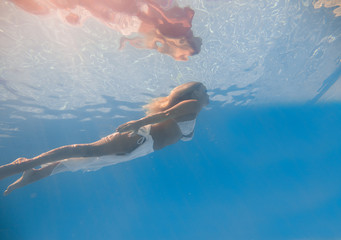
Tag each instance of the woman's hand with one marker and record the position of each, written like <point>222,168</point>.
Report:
<point>131,126</point>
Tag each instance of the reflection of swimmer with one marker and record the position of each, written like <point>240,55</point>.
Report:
<point>328,4</point>
<point>165,27</point>
<point>169,119</point>
<point>167,31</point>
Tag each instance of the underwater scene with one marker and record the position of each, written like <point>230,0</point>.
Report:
<point>164,119</point>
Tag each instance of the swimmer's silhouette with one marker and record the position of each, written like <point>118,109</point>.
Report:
<point>164,27</point>
<point>168,120</point>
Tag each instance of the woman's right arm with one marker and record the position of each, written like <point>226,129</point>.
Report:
<point>181,109</point>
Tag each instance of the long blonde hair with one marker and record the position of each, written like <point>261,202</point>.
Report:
<point>178,94</point>
<point>156,105</point>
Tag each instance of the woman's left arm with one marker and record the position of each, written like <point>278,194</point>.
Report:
<point>183,108</point>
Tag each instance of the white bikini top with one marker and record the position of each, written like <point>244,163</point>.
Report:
<point>187,129</point>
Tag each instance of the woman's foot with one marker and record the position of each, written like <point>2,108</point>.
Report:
<point>26,178</point>
<point>12,168</point>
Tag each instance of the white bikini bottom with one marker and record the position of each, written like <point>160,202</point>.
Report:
<point>87,164</point>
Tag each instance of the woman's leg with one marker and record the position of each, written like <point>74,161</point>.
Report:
<point>30,176</point>
<point>118,143</point>
<point>23,164</point>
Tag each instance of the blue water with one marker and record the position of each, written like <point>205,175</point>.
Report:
<point>249,173</point>
<point>265,159</point>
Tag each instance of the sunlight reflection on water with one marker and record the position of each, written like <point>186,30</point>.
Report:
<point>252,53</point>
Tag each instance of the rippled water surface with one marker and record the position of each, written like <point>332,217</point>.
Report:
<point>252,53</point>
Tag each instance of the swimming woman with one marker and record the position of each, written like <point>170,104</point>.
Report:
<point>168,120</point>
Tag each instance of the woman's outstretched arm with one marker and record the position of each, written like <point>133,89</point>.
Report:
<point>183,108</point>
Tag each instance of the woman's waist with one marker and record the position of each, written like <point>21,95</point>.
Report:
<point>165,133</point>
